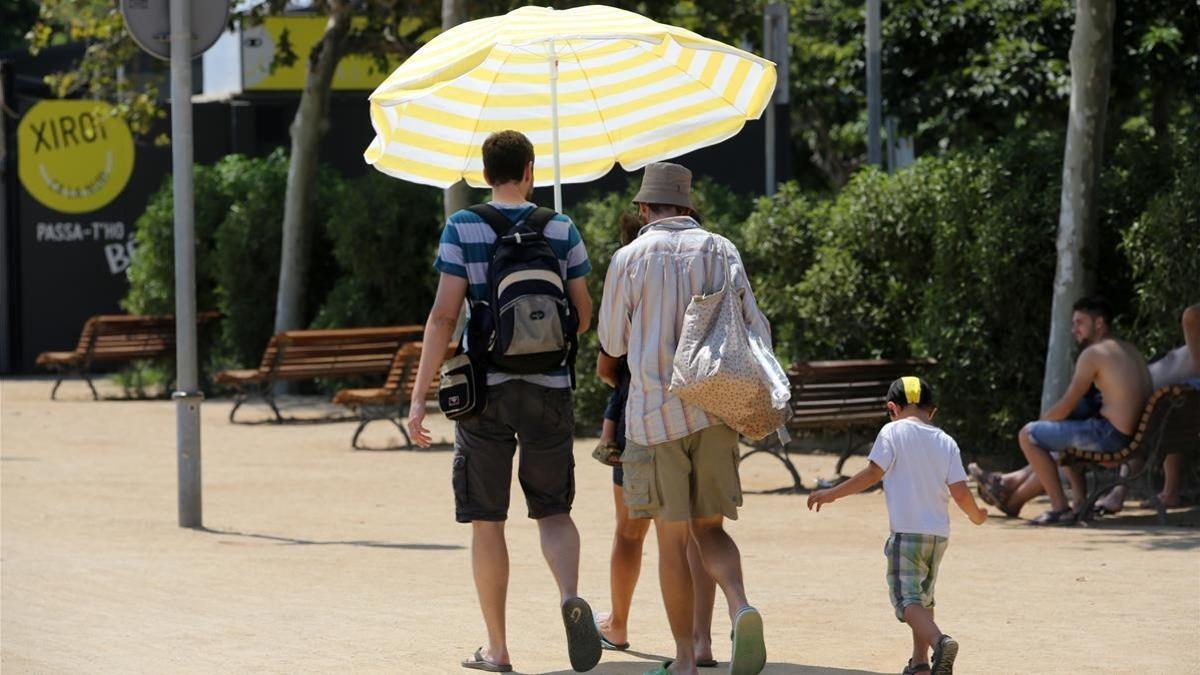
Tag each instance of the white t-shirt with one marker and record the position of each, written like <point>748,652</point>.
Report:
<point>919,460</point>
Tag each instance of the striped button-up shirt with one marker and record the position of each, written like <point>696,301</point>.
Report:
<point>649,285</point>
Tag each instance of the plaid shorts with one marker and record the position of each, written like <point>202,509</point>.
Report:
<point>913,561</point>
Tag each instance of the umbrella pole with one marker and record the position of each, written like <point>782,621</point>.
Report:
<point>553,58</point>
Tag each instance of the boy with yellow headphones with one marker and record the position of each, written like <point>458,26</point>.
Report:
<point>921,467</point>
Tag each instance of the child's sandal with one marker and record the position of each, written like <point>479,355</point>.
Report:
<point>607,453</point>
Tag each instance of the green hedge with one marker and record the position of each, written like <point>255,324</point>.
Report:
<point>384,236</point>
<point>1162,246</point>
<point>954,258</point>
<point>366,234</point>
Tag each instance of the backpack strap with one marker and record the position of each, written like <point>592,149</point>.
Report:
<point>536,220</point>
<point>492,216</point>
<point>540,218</point>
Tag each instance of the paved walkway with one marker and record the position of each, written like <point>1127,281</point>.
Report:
<point>321,559</point>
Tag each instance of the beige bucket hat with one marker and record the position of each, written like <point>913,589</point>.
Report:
<point>666,183</point>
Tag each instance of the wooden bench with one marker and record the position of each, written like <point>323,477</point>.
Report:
<point>1170,423</point>
<point>849,396</point>
<point>115,338</point>
<point>310,354</point>
<point>391,401</point>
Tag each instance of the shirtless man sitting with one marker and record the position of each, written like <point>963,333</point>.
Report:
<point>1181,364</point>
<point>1118,373</point>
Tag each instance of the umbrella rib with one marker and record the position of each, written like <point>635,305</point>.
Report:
<point>599,112</point>
<point>479,115</point>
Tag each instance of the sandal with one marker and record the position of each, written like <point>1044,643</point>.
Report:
<point>914,668</point>
<point>583,639</point>
<point>477,662</point>
<point>996,491</point>
<point>1063,516</point>
<point>605,643</point>
<point>749,652</point>
<point>943,656</point>
<point>607,453</point>
<point>661,669</point>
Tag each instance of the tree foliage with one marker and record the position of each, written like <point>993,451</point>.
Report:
<point>956,72</point>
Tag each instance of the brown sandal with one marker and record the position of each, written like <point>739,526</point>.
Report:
<point>607,453</point>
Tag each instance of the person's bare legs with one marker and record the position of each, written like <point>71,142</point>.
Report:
<point>920,646</point>
<point>678,596</point>
<point>489,563</point>
<point>1078,487</point>
<point>925,632</point>
<point>1027,490</point>
<point>560,546</point>
<point>1015,479</point>
<point>704,588</point>
<point>722,560</point>
<point>1173,466</point>
<point>625,567</point>
<point>1045,468</point>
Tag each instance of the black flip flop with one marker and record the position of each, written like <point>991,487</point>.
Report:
<point>477,662</point>
<point>707,663</point>
<point>944,654</point>
<point>605,643</point>
<point>583,639</point>
<point>914,668</point>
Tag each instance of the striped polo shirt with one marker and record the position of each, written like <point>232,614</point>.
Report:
<point>465,251</point>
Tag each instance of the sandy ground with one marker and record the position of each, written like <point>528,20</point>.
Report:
<point>317,558</point>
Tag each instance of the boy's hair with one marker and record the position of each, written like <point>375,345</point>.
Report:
<point>505,156</point>
<point>1095,306</point>
<point>907,391</point>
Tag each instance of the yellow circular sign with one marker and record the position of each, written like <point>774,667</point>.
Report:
<point>72,157</point>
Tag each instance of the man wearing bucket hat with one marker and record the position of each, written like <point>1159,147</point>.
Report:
<point>680,464</point>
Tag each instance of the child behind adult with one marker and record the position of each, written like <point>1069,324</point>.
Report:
<point>630,535</point>
<point>920,466</point>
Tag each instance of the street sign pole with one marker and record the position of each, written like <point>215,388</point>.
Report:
<point>188,396</point>
<point>179,31</point>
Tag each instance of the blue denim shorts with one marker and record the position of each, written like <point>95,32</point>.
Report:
<point>1094,434</point>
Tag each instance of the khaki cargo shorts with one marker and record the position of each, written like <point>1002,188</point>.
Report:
<point>693,477</point>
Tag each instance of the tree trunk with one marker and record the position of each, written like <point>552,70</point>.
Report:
<point>307,128</point>
<point>1075,275</point>
<point>457,196</point>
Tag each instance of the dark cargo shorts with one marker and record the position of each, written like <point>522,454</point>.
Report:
<point>542,420</point>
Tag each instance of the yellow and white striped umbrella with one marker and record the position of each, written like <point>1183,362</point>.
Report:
<point>591,86</point>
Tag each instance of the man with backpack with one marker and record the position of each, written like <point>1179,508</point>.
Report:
<point>521,270</point>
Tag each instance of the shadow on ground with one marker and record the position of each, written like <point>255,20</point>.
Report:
<point>291,541</point>
<point>436,447</point>
<point>773,668</point>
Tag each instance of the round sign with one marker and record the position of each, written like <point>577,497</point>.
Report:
<point>72,157</point>
<point>149,24</point>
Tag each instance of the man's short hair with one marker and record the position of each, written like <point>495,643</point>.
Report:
<point>505,156</point>
<point>1095,306</point>
<point>667,208</point>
